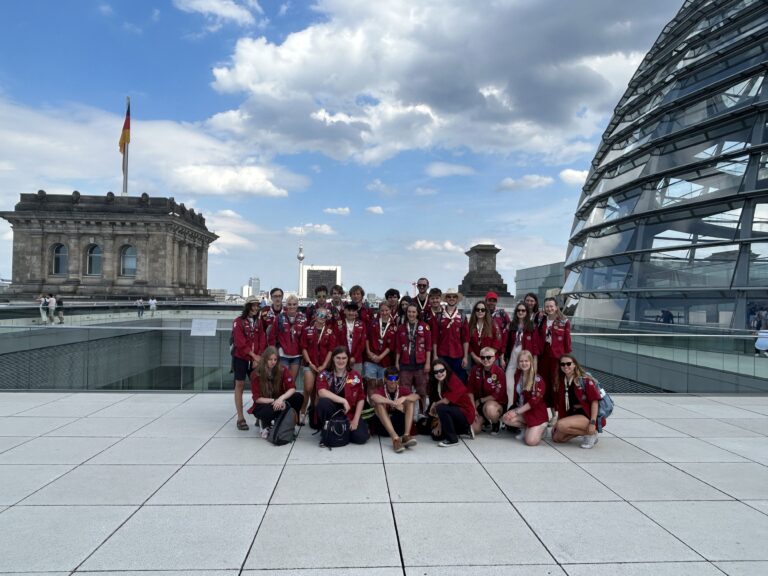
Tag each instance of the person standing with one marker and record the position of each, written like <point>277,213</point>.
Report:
<point>285,335</point>
<point>379,347</point>
<point>152,306</point>
<point>249,341</point>
<point>60,308</point>
<point>140,307</point>
<point>43,307</point>
<point>413,351</point>
<point>317,342</point>
<point>502,320</point>
<point>51,309</point>
<point>521,335</point>
<point>483,332</point>
<point>352,334</point>
<point>555,336</point>
<point>451,336</point>
<point>422,297</point>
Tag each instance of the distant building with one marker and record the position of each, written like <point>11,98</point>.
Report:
<point>218,294</point>
<point>542,280</point>
<point>108,246</point>
<point>313,276</point>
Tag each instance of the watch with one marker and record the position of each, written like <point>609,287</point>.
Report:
<point>593,421</point>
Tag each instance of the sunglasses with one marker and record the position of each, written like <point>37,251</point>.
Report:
<point>564,364</point>
<point>523,310</point>
<point>451,296</point>
<point>321,316</point>
<point>479,309</point>
<point>393,378</point>
<point>486,357</point>
<point>439,371</point>
<point>492,300</point>
<point>422,285</point>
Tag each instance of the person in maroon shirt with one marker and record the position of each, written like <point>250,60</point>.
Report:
<point>394,405</point>
<point>357,296</point>
<point>489,389</point>
<point>483,332</point>
<point>451,404</point>
<point>392,296</point>
<point>522,334</point>
<point>501,318</point>
<point>336,305</point>
<point>285,334</point>
<point>422,297</point>
<point>413,351</point>
<point>352,333</point>
<point>317,341</point>
<point>528,407</point>
<point>273,389</point>
<point>276,295</point>
<point>321,301</point>
<point>450,341</point>
<point>342,389</point>
<point>577,404</point>
<point>379,347</point>
<point>248,343</point>
<point>434,310</point>
<point>555,338</point>
<point>405,301</point>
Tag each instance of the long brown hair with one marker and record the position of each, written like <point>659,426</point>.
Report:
<point>578,370</point>
<point>269,380</point>
<point>489,325</point>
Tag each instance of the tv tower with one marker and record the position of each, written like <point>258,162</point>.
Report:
<point>300,258</point>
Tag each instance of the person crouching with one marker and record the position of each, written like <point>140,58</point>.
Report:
<point>274,390</point>
<point>395,405</point>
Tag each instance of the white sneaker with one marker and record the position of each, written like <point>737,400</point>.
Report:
<point>265,433</point>
<point>589,441</point>
<point>446,444</point>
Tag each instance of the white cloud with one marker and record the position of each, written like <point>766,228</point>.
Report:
<point>221,10</point>
<point>444,169</point>
<point>337,211</point>
<point>527,182</point>
<point>155,17</point>
<point>425,191</point>
<point>375,209</point>
<point>132,28</point>
<point>574,177</point>
<point>284,7</point>
<point>105,9</point>
<point>433,246</point>
<point>225,180</point>
<point>381,188</point>
<point>235,232</point>
<point>304,229</point>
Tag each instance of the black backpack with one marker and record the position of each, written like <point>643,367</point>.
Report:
<point>335,432</point>
<point>282,431</point>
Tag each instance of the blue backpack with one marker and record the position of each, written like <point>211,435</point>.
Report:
<point>604,405</point>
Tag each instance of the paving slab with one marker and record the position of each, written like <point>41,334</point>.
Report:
<point>758,425</point>
<point>708,428</point>
<point>645,569</point>
<point>743,568</point>
<point>684,450</point>
<point>428,451</point>
<point>661,410</point>
<point>627,428</point>
<point>307,451</point>
<point>65,409</point>
<point>30,425</point>
<point>554,523</point>
<point>105,485</point>
<point>753,448</point>
<point>198,485</point>
<point>363,571</point>
<point>441,483</point>
<point>165,573</point>
<point>180,538</point>
<point>506,448</point>
<point>13,407</point>
<point>332,484</point>
<point>743,481</point>
<point>8,442</point>
<point>509,570</point>
<point>18,481</point>
<point>607,450</point>
<point>136,409</point>
<point>71,534</point>
<point>716,530</point>
<point>654,481</point>
<point>484,534</point>
<point>149,451</point>
<point>237,451</point>
<point>548,482</point>
<point>759,505</point>
<point>370,528</point>
<point>103,427</point>
<point>722,411</point>
<point>49,450</point>
<point>167,427</point>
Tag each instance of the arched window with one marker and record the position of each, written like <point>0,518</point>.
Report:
<point>128,261</point>
<point>60,264</point>
<point>93,265</point>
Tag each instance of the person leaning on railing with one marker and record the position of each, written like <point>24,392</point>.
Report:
<point>576,397</point>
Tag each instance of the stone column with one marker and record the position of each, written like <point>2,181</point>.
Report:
<point>204,266</point>
<point>191,265</point>
<point>182,263</point>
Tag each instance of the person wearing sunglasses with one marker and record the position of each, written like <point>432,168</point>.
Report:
<point>341,388</point>
<point>285,334</point>
<point>321,301</point>
<point>555,338</point>
<point>394,405</point>
<point>317,342</point>
<point>577,403</point>
<point>451,404</point>
<point>489,388</point>
<point>502,320</point>
<point>527,400</point>
<point>483,332</point>
<point>422,298</point>
<point>413,351</point>
<point>521,335</point>
<point>450,341</point>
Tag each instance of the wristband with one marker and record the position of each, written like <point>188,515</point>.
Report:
<point>593,421</point>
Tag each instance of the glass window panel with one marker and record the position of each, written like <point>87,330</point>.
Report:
<point>600,278</point>
<point>724,178</point>
<point>60,259</point>
<point>94,261</point>
<point>758,264</point>
<point>760,221</point>
<point>762,171</point>
<point>602,308</point>
<point>128,261</point>
<point>595,247</point>
<point>697,267</point>
<point>574,255</point>
<point>721,68</point>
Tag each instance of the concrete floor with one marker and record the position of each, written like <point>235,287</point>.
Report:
<point>151,484</point>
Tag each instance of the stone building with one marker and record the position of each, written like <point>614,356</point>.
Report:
<point>108,247</point>
<point>482,276</point>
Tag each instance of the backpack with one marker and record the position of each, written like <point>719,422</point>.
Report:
<point>604,405</point>
<point>335,431</point>
<point>282,431</point>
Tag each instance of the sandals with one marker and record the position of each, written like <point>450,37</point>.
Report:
<point>242,425</point>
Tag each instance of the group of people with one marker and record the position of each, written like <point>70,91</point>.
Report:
<point>51,309</point>
<point>414,365</point>
<point>141,305</point>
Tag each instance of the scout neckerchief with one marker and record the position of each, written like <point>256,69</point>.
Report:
<point>350,333</point>
<point>396,393</point>
<point>383,331</point>
<point>479,328</point>
<point>249,327</point>
<point>549,331</point>
<point>412,337</point>
<point>338,382</point>
<point>421,306</point>
<point>451,317</point>
<point>519,335</point>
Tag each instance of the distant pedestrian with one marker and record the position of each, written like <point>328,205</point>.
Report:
<point>140,307</point>
<point>43,307</point>
<point>60,308</point>
<point>152,306</point>
<point>51,308</point>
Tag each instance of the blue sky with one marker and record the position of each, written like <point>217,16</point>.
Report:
<point>389,137</point>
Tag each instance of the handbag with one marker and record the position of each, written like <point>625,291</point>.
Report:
<point>335,431</point>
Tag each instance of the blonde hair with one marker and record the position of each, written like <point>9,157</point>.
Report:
<point>529,376</point>
<point>292,298</point>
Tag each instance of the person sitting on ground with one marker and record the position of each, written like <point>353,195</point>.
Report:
<point>489,389</point>
<point>577,397</point>
<point>274,390</point>
<point>528,407</point>
<point>394,405</point>
<point>451,404</point>
<point>342,389</point>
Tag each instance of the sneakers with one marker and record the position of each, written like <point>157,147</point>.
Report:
<point>265,432</point>
<point>495,427</point>
<point>397,445</point>
<point>589,441</point>
<point>409,441</point>
<point>446,444</point>
<point>470,435</point>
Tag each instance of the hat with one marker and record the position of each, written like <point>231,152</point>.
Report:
<point>452,291</point>
<point>251,299</point>
<point>491,296</point>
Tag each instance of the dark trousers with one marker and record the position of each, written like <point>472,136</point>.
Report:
<point>266,413</point>
<point>452,421</point>
<point>398,423</point>
<point>327,408</point>
<point>455,365</point>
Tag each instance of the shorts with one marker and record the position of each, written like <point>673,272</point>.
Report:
<point>416,379</point>
<point>287,362</point>
<point>242,368</point>
<point>372,370</point>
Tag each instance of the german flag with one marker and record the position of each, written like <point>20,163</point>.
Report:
<point>125,136</point>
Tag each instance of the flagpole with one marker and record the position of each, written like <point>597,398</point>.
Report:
<point>125,153</point>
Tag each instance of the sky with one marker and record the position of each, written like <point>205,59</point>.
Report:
<point>387,137</point>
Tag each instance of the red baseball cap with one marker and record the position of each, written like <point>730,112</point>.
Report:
<point>491,296</point>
